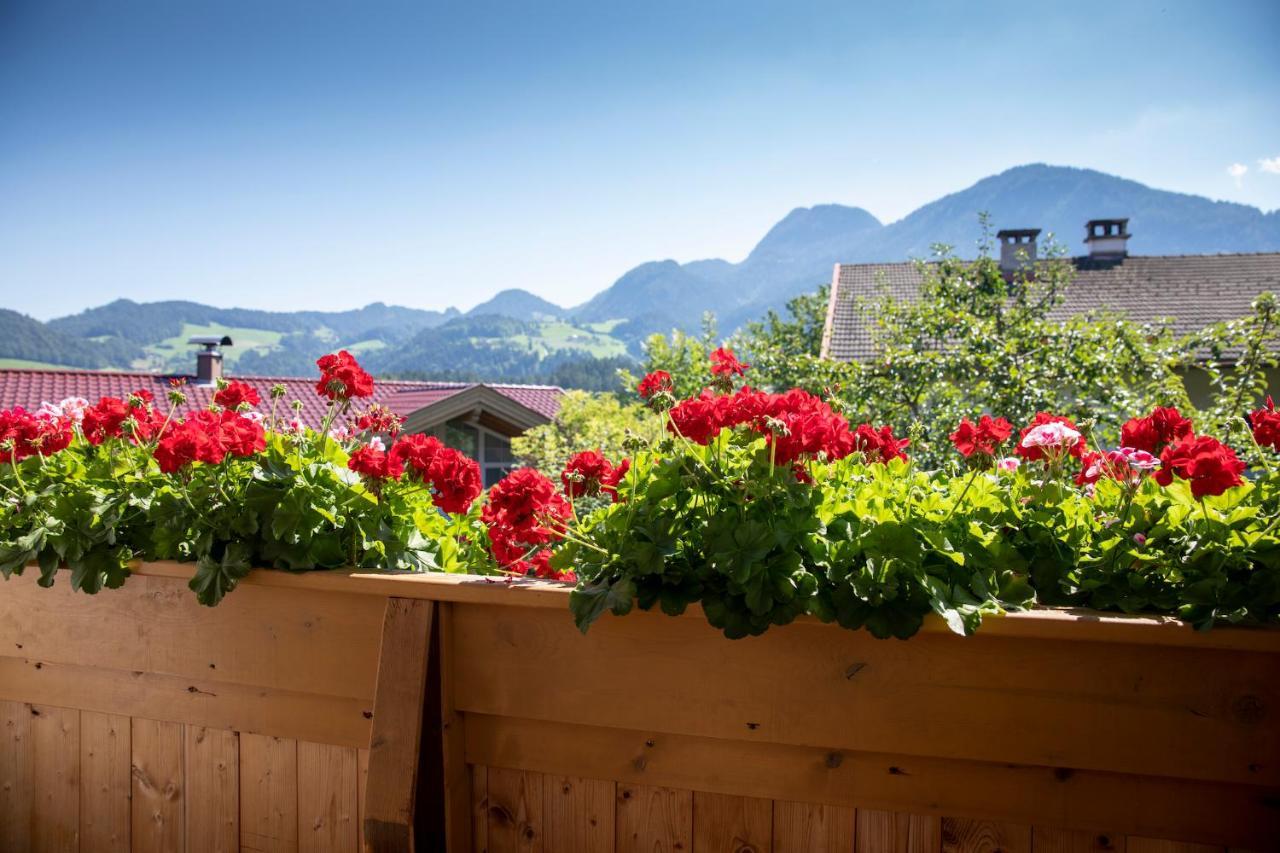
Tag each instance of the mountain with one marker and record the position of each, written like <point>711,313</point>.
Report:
<point>26,339</point>
<point>798,253</point>
<point>518,336</point>
<point>515,302</point>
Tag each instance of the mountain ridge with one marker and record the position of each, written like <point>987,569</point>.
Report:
<point>794,256</point>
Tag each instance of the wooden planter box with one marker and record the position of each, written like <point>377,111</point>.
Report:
<point>138,720</point>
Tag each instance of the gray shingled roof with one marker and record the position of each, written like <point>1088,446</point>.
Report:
<point>1195,290</point>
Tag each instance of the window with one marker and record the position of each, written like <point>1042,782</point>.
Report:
<point>491,450</point>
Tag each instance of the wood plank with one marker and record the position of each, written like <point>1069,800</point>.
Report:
<point>1102,706</point>
<point>480,809</point>
<point>812,828</point>
<point>1047,840</point>
<point>212,790</point>
<point>158,807</point>
<point>578,814</point>
<point>218,705</point>
<point>106,782</point>
<point>1143,805</point>
<point>965,835</point>
<point>268,794</point>
<point>319,642</point>
<point>456,775</point>
<point>723,823</point>
<point>896,832</point>
<point>1073,624</point>
<point>397,724</point>
<point>55,813</point>
<point>515,811</point>
<point>652,819</point>
<point>327,795</point>
<point>362,785</point>
<point>1155,845</point>
<point>17,775</point>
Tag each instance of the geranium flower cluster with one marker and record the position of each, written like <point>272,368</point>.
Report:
<point>24,434</point>
<point>135,418</point>
<point>589,473</point>
<point>210,437</point>
<point>525,514</point>
<point>797,425</point>
<point>453,477</point>
<point>342,377</point>
<point>1162,444</point>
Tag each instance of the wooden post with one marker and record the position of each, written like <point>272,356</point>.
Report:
<point>396,735</point>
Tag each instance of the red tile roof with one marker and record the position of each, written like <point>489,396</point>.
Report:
<point>30,388</point>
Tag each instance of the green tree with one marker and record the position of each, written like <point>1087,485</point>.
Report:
<point>586,421</point>
<point>784,352</point>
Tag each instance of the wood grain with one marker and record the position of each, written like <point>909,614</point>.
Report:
<point>723,823</point>
<point>396,735</point>
<point>218,705</point>
<point>896,832</point>
<point>812,828</point>
<point>17,775</point>
<point>964,835</point>
<point>362,785</point>
<point>456,776</point>
<point>268,794</point>
<point>480,809</point>
<point>326,798</point>
<point>55,812</point>
<point>515,812</point>
<point>653,819</point>
<point>212,790</point>
<point>1139,805</point>
<point>320,642</point>
<point>1154,845</point>
<point>158,805</point>
<point>1100,706</point>
<point>1045,840</point>
<point>106,782</point>
<point>578,814</point>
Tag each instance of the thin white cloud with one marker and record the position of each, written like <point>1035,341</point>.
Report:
<point>1237,172</point>
<point>1271,165</point>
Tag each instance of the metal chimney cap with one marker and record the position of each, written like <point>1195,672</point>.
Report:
<point>211,340</point>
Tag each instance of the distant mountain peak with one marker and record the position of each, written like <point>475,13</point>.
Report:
<point>518,303</point>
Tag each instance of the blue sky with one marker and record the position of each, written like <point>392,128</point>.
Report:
<point>320,154</point>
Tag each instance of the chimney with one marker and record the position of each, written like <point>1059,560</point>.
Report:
<point>1107,239</point>
<point>1017,248</point>
<point>209,360</point>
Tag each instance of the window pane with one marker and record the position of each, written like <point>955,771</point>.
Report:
<point>497,449</point>
<point>494,473</point>
<point>462,436</point>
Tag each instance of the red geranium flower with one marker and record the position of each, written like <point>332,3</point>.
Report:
<point>657,382</point>
<point>1209,465</point>
<point>208,437</point>
<point>524,511</point>
<point>342,377</point>
<point>879,445</point>
<point>104,419</point>
<point>24,434</point>
<point>983,438</point>
<point>1266,425</point>
<point>590,473</point>
<point>454,477</point>
<point>235,395</point>
<point>375,464</point>
<point>725,363</point>
<point>1164,426</point>
<point>697,419</point>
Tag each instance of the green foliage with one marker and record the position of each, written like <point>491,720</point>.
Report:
<point>295,506</point>
<point>880,546</point>
<point>585,421</point>
<point>683,356</point>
